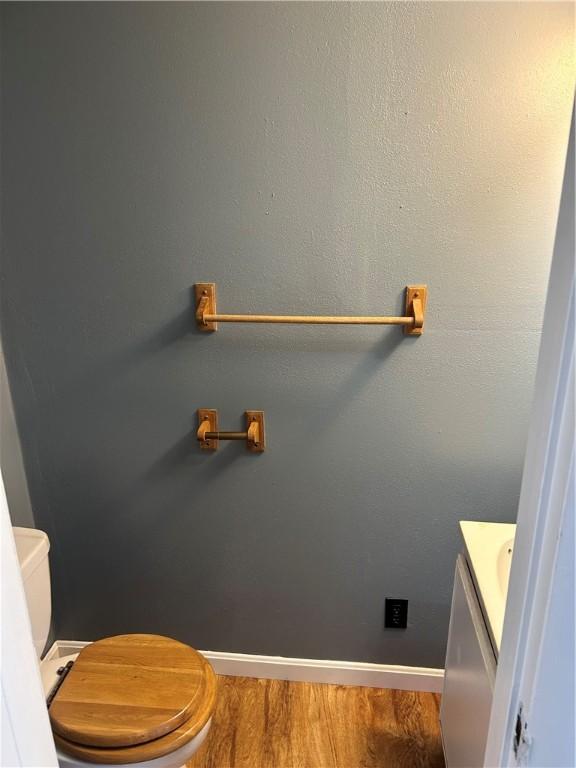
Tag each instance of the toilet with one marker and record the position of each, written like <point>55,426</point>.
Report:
<point>138,699</point>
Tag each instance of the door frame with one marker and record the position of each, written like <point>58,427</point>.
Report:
<point>27,739</point>
<point>546,481</point>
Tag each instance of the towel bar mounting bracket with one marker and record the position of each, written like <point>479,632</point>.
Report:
<point>415,306</point>
<point>205,295</point>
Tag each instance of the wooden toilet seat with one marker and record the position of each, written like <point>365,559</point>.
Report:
<point>132,698</point>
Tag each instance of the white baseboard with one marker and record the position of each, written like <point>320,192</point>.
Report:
<point>321,671</point>
<point>305,670</point>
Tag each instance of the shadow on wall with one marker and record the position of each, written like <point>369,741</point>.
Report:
<point>11,460</point>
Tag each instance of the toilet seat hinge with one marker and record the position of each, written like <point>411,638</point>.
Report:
<point>61,672</point>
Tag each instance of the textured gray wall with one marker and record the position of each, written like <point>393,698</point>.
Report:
<point>306,158</point>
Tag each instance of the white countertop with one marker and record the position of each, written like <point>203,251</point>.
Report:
<point>489,548</point>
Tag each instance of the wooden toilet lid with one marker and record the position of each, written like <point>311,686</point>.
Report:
<point>131,689</point>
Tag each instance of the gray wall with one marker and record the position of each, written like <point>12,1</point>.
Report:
<point>306,158</point>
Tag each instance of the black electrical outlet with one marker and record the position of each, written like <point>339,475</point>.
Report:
<point>396,613</point>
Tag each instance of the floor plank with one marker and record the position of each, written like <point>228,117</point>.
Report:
<point>277,724</point>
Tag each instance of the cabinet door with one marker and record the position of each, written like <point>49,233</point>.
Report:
<point>468,677</point>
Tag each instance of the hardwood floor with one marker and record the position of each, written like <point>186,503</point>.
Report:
<point>276,724</point>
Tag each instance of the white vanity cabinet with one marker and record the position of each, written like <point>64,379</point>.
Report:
<point>469,677</point>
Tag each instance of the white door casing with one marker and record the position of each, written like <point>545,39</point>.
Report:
<point>26,733</point>
<point>544,518</point>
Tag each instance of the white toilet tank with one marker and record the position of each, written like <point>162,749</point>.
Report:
<point>32,547</point>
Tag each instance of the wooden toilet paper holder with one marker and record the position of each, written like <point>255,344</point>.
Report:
<point>209,436</point>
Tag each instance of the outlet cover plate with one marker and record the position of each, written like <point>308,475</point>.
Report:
<point>395,613</point>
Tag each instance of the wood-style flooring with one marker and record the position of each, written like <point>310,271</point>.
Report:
<point>277,724</point>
